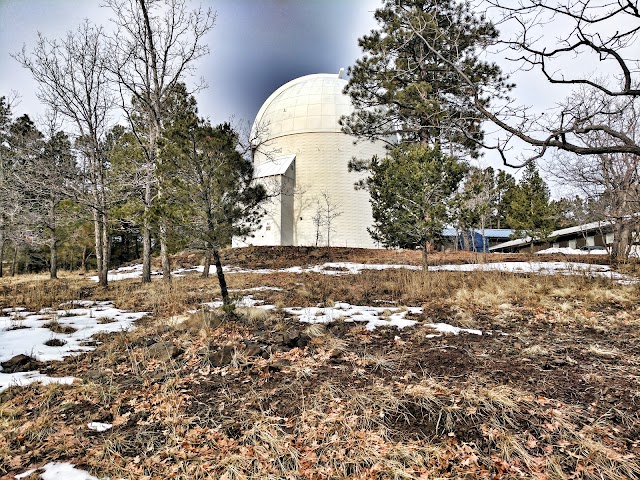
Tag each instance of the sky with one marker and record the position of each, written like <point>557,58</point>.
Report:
<point>256,46</point>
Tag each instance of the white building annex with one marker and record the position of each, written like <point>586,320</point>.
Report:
<point>303,157</point>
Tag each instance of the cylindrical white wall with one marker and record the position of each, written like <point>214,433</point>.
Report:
<point>301,118</point>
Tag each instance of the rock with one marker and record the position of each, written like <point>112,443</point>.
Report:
<point>303,341</point>
<point>223,356</point>
<point>252,349</point>
<point>279,365</point>
<point>164,350</point>
<point>292,337</point>
<point>94,375</point>
<point>280,349</point>
<point>21,363</point>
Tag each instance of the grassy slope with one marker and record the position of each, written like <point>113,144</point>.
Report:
<point>556,397</point>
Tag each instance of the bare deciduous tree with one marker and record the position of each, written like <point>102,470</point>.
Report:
<point>601,31</point>
<point>601,34</point>
<point>72,79</point>
<point>326,212</point>
<point>48,179</point>
<point>613,179</point>
<point>155,46</point>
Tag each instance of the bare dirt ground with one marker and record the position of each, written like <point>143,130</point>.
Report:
<point>549,390</point>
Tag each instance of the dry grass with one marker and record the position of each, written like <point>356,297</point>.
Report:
<point>553,398</point>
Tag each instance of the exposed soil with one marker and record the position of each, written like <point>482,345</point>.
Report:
<point>549,390</point>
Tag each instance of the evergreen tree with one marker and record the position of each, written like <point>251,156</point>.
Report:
<point>6,192</point>
<point>411,191</point>
<point>25,143</point>
<point>210,179</point>
<point>401,88</point>
<point>475,205</point>
<point>530,211</point>
<point>47,181</point>
<point>505,186</point>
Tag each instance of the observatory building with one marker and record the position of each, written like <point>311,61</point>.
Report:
<point>302,157</point>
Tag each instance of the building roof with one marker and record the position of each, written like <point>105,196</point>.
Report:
<point>488,232</point>
<point>313,103</point>
<point>273,167</point>
<point>587,227</point>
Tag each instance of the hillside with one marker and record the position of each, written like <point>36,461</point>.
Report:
<point>326,373</point>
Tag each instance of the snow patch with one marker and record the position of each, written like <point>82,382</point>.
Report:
<point>571,251</point>
<point>351,268</point>
<point>246,302</point>
<point>25,378</point>
<point>99,427</point>
<point>329,268</point>
<point>28,333</point>
<point>373,316</point>
<point>58,470</point>
<point>542,268</point>
<point>124,273</point>
<point>446,328</point>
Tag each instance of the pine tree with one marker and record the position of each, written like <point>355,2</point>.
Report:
<point>5,177</point>
<point>401,88</point>
<point>530,211</point>
<point>411,190</point>
<point>47,181</point>
<point>505,185</point>
<point>215,197</point>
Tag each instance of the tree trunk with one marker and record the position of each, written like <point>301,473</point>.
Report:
<point>53,243</point>
<point>206,262</point>
<point>83,263</point>
<point>146,232</point>
<point>425,252</point>
<point>1,251</point>
<point>164,251</point>
<point>226,301</point>
<point>98,242</point>
<point>14,260</point>
<point>106,250</point>
<point>53,268</point>
<point>620,247</point>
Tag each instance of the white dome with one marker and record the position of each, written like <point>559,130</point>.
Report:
<point>313,103</point>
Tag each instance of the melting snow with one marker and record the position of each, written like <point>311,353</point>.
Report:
<point>25,333</point>
<point>25,378</point>
<point>99,427</point>
<point>571,251</point>
<point>58,470</point>
<point>351,268</point>
<point>123,273</point>
<point>543,268</point>
<point>446,328</point>
<point>373,316</point>
<point>330,268</point>
<point>247,301</point>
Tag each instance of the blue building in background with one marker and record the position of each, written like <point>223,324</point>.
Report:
<point>472,240</point>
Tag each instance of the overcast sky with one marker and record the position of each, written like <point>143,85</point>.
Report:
<point>256,46</point>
